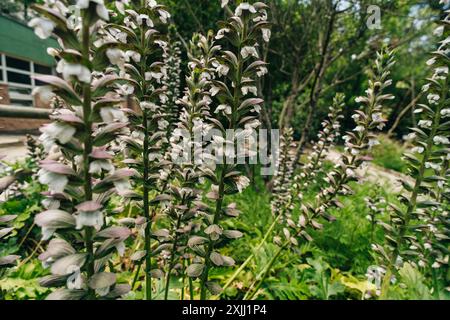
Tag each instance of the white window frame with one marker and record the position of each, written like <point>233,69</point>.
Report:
<point>14,95</point>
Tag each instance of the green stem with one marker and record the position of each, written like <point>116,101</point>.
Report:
<point>183,281</point>
<point>147,233</point>
<point>172,258</point>
<point>263,275</point>
<point>136,275</point>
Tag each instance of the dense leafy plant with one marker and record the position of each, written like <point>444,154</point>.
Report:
<point>417,231</point>
<point>83,178</point>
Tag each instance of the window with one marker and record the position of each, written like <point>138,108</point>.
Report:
<point>17,73</point>
<point>17,64</point>
<point>42,69</point>
<point>21,78</point>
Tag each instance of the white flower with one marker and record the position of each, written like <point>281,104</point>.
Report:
<point>214,90</point>
<point>89,219</point>
<point>140,19</point>
<point>152,3</point>
<point>163,15</point>
<point>242,182</point>
<point>359,129</point>
<point>256,108</point>
<point>223,107</point>
<point>100,9</point>
<point>266,34</point>
<point>116,56</point>
<point>56,182</point>
<point>223,69</point>
<point>252,89</point>
<point>129,22</point>
<point>154,75</point>
<point>350,173</point>
<point>426,87</point>
<point>44,93</point>
<point>440,70</point>
<point>125,89</point>
<point>377,117</point>
<point>249,51</point>
<point>242,7</point>
<point>445,113</point>
<point>419,150</point>
<point>409,137</point>
<point>148,105</point>
<point>441,140</point>
<point>59,131</point>
<point>439,31</point>
<point>43,28</point>
<point>122,185</point>
<point>252,124</point>
<point>111,114</point>
<point>163,124</point>
<point>75,280</point>
<point>433,98</point>
<point>425,124</point>
<point>431,61</point>
<point>436,265</point>
<point>98,165</point>
<point>224,3</point>
<point>433,166</point>
<point>221,33</point>
<point>261,71</point>
<point>136,56</point>
<point>72,69</point>
<point>360,99</point>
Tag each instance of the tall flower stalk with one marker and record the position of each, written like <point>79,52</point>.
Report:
<point>237,69</point>
<point>186,140</point>
<point>138,53</point>
<point>81,183</point>
<point>420,202</point>
<point>172,81</point>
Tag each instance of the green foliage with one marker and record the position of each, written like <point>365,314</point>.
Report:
<point>388,154</point>
<point>21,283</point>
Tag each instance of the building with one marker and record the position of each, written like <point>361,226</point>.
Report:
<point>22,55</point>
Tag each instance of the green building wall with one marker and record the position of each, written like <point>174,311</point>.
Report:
<point>18,40</point>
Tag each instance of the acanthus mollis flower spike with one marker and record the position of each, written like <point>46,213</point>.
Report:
<point>172,80</point>
<point>368,118</point>
<point>78,143</point>
<point>422,200</point>
<point>236,106</point>
<point>310,170</point>
<point>187,138</point>
<point>281,201</point>
<point>326,139</point>
<point>136,50</point>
